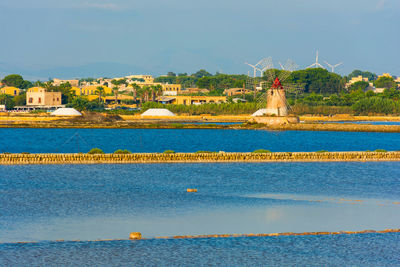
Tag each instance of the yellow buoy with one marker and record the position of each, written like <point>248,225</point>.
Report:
<point>135,235</point>
<point>191,190</point>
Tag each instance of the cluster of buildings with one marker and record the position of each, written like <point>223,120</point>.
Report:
<point>126,87</point>
<point>371,86</point>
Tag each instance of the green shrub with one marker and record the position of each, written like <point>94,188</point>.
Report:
<point>96,151</point>
<point>120,151</point>
<point>380,150</point>
<point>25,153</point>
<point>169,152</point>
<point>261,151</point>
<point>321,151</point>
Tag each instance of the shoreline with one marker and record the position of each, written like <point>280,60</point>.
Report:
<point>386,231</point>
<point>226,157</point>
<point>336,127</point>
<point>205,121</point>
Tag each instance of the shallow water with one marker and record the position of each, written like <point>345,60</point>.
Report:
<point>88,202</point>
<point>337,250</point>
<point>190,140</point>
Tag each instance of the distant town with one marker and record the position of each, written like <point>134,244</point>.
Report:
<point>315,87</point>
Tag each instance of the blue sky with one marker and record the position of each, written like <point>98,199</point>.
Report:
<point>48,38</point>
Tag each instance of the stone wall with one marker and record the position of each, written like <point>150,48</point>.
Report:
<point>196,157</point>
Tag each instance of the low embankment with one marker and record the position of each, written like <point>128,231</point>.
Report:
<point>195,157</point>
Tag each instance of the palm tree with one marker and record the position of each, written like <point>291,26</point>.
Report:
<point>136,88</point>
<point>99,91</point>
<point>145,91</point>
<point>156,91</point>
<point>115,91</point>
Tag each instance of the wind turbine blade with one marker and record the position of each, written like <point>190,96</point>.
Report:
<point>328,64</point>
<point>281,65</point>
<point>338,64</point>
<point>250,65</point>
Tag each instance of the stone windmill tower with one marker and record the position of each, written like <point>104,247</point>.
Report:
<point>276,100</point>
<point>273,101</point>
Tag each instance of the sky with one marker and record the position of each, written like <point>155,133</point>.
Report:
<point>81,38</point>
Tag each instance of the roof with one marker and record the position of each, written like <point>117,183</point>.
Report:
<point>120,97</point>
<point>165,98</point>
<point>158,112</point>
<point>10,88</point>
<point>66,112</point>
<point>36,89</point>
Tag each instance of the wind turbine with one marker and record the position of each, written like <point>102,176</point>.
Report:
<point>316,63</point>
<point>254,68</point>
<point>265,64</point>
<point>333,66</point>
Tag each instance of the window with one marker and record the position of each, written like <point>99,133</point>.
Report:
<point>40,100</point>
<point>15,92</point>
<point>30,100</point>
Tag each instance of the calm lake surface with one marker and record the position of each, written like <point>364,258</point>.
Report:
<point>352,250</point>
<point>190,140</point>
<point>44,203</point>
<point>88,202</point>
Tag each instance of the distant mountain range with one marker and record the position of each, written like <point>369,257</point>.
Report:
<point>95,70</point>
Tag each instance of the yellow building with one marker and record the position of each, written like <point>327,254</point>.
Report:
<point>58,82</point>
<point>76,90</point>
<point>191,100</point>
<point>385,75</point>
<point>147,78</point>
<point>91,90</point>
<point>172,88</point>
<point>93,97</point>
<point>120,98</point>
<point>13,91</point>
<point>356,79</point>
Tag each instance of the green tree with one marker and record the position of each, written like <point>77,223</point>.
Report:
<point>16,80</point>
<point>385,82</point>
<point>115,91</point>
<point>201,73</point>
<point>20,100</point>
<point>170,73</point>
<point>7,100</point>
<point>391,93</point>
<point>366,74</point>
<point>135,89</point>
<point>361,85</point>
<point>100,92</point>
<point>317,80</point>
